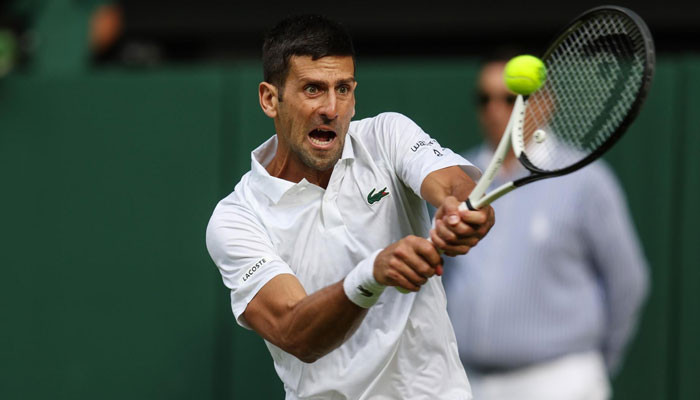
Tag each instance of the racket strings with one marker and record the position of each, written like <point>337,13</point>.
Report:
<point>594,75</point>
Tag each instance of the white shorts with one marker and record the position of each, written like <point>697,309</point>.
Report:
<point>580,376</point>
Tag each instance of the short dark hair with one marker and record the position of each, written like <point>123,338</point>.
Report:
<point>302,35</point>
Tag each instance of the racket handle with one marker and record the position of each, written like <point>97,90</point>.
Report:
<point>469,205</point>
<point>463,206</point>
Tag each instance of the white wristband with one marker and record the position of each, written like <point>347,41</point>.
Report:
<point>360,285</point>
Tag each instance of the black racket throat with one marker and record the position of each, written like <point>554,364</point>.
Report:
<point>537,174</point>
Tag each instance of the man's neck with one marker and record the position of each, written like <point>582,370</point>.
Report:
<point>282,166</point>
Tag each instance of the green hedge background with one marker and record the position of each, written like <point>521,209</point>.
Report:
<point>109,177</point>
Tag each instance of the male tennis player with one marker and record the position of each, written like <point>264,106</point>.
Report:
<point>331,213</point>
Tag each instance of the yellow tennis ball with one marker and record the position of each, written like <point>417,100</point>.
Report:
<point>524,74</point>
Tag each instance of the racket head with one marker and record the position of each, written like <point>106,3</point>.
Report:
<point>599,71</point>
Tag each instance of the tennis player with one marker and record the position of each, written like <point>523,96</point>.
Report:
<point>333,212</point>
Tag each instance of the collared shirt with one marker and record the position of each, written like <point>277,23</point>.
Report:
<point>405,347</point>
<point>560,272</point>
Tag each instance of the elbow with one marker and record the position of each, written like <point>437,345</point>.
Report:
<point>643,286</point>
<point>308,358</point>
<point>307,351</point>
<point>635,286</point>
<point>304,353</point>
<point>646,287</point>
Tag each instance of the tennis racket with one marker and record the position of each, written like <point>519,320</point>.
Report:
<point>599,70</point>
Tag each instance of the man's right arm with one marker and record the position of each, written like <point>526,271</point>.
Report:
<point>306,326</point>
<point>311,326</point>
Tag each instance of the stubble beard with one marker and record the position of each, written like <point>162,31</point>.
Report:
<point>318,163</point>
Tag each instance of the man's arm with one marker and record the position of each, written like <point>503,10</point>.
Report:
<point>311,326</point>
<point>307,327</point>
<point>619,260</point>
<point>456,231</point>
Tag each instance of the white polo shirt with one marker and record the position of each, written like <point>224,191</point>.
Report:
<point>405,347</point>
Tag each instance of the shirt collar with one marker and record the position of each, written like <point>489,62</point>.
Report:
<point>274,187</point>
<point>348,151</point>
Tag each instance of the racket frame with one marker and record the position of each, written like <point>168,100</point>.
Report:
<point>512,138</point>
<point>513,134</point>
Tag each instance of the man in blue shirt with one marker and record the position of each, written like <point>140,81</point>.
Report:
<point>545,305</point>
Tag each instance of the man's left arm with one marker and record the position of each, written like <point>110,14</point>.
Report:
<point>440,177</point>
<point>620,263</point>
<point>455,231</point>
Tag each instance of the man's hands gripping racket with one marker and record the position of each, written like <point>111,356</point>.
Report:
<point>598,73</point>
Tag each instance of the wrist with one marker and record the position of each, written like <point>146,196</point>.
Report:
<point>360,286</point>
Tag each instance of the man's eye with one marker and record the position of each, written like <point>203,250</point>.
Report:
<point>343,90</point>
<point>311,89</point>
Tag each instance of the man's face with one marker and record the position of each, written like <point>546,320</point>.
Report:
<point>318,102</point>
<point>495,101</point>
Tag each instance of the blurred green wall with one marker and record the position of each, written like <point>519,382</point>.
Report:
<point>109,178</point>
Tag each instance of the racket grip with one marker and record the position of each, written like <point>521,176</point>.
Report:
<point>469,205</point>
<point>463,206</point>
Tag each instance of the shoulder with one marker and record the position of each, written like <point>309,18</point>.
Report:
<point>383,122</point>
<point>235,210</point>
<point>594,185</point>
<point>386,132</point>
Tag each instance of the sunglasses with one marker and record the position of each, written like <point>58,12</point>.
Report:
<point>483,99</point>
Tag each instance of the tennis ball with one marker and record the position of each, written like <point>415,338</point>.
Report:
<point>524,74</point>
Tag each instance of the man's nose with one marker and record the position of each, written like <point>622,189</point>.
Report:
<point>329,108</point>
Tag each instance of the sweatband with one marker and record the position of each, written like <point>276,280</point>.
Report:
<point>360,285</point>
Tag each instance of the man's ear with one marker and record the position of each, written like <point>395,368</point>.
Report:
<point>353,107</point>
<point>267,93</point>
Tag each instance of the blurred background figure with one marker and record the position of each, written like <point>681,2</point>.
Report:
<point>544,307</point>
<point>106,27</point>
<point>14,41</point>
<point>8,51</point>
<point>110,45</point>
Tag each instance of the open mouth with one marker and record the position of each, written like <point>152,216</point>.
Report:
<point>321,137</point>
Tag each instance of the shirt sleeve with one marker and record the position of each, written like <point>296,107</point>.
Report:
<point>619,261</point>
<point>413,153</point>
<point>243,252</point>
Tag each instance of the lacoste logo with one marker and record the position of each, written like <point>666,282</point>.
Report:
<point>253,269</point>
<point>364,291</point>
<point>375,197</point>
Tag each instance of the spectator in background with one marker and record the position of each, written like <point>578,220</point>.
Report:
<point>13,41</point>
<point>106,27</point>
<point>109,44</point>
<point>544,307</point>
<point>8,50</point>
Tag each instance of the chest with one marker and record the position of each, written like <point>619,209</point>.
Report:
<point>323,234</point>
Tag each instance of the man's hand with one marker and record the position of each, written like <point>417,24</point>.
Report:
<point>455,231</point>
<point>407,263</point>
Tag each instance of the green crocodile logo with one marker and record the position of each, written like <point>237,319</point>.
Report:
<point>364,291</point>
<point>375,197</point>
